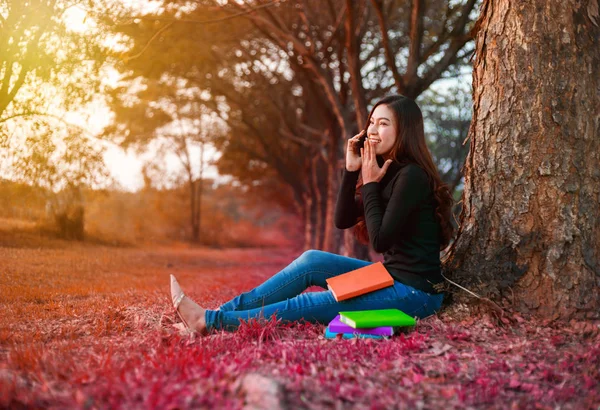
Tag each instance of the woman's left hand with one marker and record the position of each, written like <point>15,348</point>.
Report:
<point>370,168</point>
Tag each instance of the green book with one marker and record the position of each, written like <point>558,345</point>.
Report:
<point>374,318</point>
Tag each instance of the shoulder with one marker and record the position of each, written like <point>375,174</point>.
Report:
<point>412,173</point>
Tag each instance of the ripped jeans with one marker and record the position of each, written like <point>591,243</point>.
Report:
<point>282,295</point>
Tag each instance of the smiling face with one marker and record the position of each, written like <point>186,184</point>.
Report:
<point>383,130</point>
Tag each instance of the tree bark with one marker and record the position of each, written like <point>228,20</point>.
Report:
<point>308,225</point>
<point>318,202</point>
<point>193,224</point>
<point>198,202</point>
<point>329,244</point>
<point>354,65</point>
<point>67,210</point>
<point>530,224</point>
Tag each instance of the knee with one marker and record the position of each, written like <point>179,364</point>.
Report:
<point>309,256</point>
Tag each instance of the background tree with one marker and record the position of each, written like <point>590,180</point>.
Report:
<point>337,57</point>
<point>48,69</point>
<point>170,119</point>
<point>61,165</point>
<point>38,50</point>
<point>530,226</point>
<point>333,58</point>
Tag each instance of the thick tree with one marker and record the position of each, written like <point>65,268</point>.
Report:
<point>530,226</point>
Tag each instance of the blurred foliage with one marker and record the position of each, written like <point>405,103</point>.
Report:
<point>275,87</point>
<point>289,81</point>
<point>52,60</point>
<point>232,218</point>
<point>51,65</point>
<point>447,116</point>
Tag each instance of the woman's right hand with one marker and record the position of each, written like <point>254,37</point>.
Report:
<point>353,160</point>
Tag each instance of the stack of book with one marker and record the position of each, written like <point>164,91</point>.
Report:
<point>372,324</point>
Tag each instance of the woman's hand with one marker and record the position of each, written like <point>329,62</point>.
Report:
<point>370,168</point>
<point>353,161</point>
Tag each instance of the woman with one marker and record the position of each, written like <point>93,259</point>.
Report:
<point>403,209</point>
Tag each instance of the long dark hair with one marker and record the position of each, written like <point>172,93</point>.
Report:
<point>410,147</point>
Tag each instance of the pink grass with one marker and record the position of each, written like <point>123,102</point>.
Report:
<point>108,341</point>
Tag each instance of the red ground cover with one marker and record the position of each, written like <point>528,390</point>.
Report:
<point>88,326</point>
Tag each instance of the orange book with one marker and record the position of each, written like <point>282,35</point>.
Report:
<point>359,281</point>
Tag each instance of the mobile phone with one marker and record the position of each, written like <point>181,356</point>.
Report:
<point>360,145</point>
<point>361,141</point>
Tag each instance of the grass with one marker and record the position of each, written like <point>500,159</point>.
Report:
<point>90,326</point>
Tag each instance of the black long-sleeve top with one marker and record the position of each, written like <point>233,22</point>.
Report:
<point>400,218</point>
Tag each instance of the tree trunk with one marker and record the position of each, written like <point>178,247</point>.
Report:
<point>318,202</point>
<point>329,240</point>
<point>196,187</point>
<point>308,225</point>
<point>67,211</point>
<point>530,224</point>
<point>200,192</point>
<point>194,225</point>
<point>352,43</point>
<point>332,186</point>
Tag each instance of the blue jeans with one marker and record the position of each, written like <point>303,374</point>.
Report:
<point>282,295</point>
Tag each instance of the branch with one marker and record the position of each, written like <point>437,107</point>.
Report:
<point>316,132</point>
<point>387,49</point>
<point>43,114</point>
<point>336,26</point>
<point>308,31</point>
<point>442,37</point>
<point>5,84</point>
<point>173,20</point>
<point>491,302</point>
<point>298,140</point>
<point>237,142</point>
<point>131,19</point>
<point>128,59</point>
<point>275,17</point>
<point>10,95</point>
<point>416,36</point>
<point>365,15</point>
<point>459,39</point>
<point>265,25</point>
<point>352,43</point>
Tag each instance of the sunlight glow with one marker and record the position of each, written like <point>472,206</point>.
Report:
<point>76,19</point>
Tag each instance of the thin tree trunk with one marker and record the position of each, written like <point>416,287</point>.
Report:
<point>417,12</point>
<point>308,225</point>
<point>193,197</point>
<point>318,202</point>
<point>530,224</point>
<point>199,192</point>
<point>329,241</point>
<point>332,185</point>
<point>354,64</point>
<point>353,247</point>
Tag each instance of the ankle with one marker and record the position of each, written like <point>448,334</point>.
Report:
<point>200,324</point>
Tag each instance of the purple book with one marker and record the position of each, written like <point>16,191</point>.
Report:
<point>336,326</point>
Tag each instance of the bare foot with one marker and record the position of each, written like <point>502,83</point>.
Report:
<point>193,315</point>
